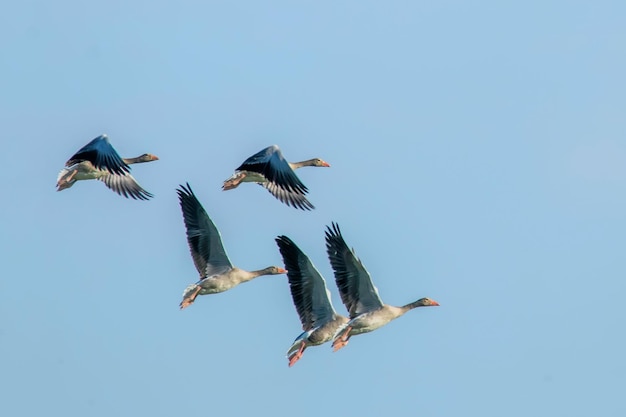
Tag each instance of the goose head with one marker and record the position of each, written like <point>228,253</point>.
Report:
<point>147,157</point>
<point>317,162</point>
<point>426,302</point>
<point>274,270</point>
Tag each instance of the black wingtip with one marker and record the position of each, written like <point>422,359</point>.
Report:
<point>282,239</point>
<point>285,244</point>
<point>141,195</point>
<point>333,230</point>
<point>185,190</point>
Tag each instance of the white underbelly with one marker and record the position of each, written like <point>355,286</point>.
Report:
<point>84,171</point>
<point>254,177</point>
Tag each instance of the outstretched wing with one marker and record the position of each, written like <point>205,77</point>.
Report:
<point>357,291</point>
<point>126,185</point>
<point>102,155</point>
<point>205,242</point>
<point>308,288</point>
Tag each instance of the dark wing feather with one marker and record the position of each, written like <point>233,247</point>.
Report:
<point>282,182</point>
<point>357,291</point>
<point>126,186</point>
<point>287,197</point>
<point>308,288</point>
<point>102,155</point>
<point>205,242</point>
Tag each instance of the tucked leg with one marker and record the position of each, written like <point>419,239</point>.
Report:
<point>342,339</point>
<point>233,181</point>
<point>190,297</point>
<point>66,181</point>
<point>296,356</point>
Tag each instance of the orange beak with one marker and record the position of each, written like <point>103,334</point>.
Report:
<point>434,303</point>
<point>325,164</point>
<point>154,158</point>
<point>282,271</point>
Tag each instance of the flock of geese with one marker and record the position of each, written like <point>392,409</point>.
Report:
<point>320,322</point>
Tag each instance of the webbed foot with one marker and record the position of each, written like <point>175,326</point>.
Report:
<point>295,357</point>
<point>233,181</point>
<point>342,339</point>
<point>189,298</point>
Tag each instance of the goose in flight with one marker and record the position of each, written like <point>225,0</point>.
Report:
<point>271,170</point>
<point>358,293</point>
<point>98,160</point>
<point>311,298</point>
<point>217,273</point>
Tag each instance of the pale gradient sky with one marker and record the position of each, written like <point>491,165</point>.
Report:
<point>478,157</point>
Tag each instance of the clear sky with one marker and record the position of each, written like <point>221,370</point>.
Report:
<point>478,158</point>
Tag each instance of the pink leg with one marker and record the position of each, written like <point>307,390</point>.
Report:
<point>187,301</point>
<point>296,356</point>
<point>66,181</point>
<point>231,183</point>
<point>342,340</point>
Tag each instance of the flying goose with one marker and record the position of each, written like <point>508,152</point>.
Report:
<point>311,299</point>
<point>270,169</point>
<point>217,273</point>
<point>99,160</point>
<point>358,293</point>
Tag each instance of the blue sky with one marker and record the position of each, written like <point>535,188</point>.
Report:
<point>478,158</point>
